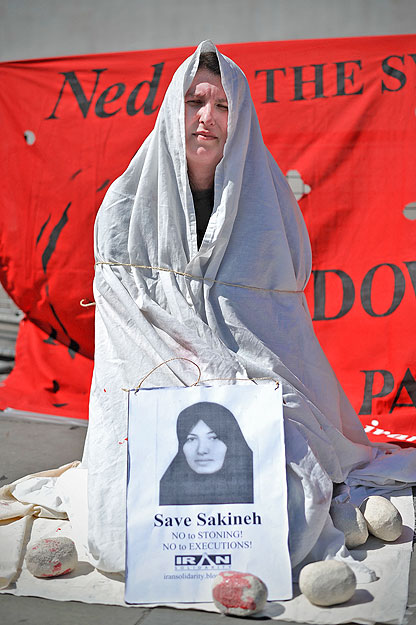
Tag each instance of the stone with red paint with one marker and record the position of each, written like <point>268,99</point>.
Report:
<point>50,557</point>
<point>239,594</point>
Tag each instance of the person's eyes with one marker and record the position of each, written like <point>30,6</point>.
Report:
<point>213,437</point>
<point>223,107</point>
<point>194,102</point>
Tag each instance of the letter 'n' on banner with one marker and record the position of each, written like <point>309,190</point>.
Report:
<point>206,491</point>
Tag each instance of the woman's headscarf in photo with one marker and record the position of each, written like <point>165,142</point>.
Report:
<point>233,483</point>
<point>235,306</point>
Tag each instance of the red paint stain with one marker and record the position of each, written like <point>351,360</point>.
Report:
<point>229,592</point>
<point>105,390</point>
<point>56,571</point>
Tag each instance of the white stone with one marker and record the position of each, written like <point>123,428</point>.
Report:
<point>349,519</point>
<point>239,594</point>
<point>50,557</point>
<point>327,583</point>
<point>383,519</point>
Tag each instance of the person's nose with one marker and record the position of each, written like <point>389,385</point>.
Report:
<point>202,448</point>
<point>206,115</point>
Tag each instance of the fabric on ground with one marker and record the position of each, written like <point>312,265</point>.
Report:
<point>383,601</point>
<point>29,497</point>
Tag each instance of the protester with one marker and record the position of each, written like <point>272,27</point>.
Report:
<point>202,253</point>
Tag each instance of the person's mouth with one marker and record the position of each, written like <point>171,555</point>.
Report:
<point>205,136</point>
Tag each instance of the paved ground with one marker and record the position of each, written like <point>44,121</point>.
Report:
<point>28,446</point>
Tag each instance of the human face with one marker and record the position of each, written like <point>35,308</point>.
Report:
<point>204,451</point>
<point>206,118</point>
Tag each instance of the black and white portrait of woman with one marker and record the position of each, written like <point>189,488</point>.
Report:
<point>214,463</point>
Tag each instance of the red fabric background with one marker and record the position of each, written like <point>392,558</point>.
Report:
<point>340,112</point>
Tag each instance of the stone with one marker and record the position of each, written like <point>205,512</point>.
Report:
<point>350,521</point>
<point>50,557</point>
<point>239,594</point>
<point>383,519</point>
<point>327,583</point>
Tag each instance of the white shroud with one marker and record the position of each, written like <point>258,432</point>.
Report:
<point>256,239</point>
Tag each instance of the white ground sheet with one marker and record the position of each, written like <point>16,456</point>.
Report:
<point>382,601</point>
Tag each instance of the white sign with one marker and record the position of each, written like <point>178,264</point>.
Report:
<point>206,491</point>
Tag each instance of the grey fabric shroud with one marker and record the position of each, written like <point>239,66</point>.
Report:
<point>256,238</point>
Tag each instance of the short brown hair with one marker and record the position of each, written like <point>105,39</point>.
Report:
<point>209,61</point>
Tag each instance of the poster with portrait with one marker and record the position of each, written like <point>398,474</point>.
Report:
<point>206,491</point>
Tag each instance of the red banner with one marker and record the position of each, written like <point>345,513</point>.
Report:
<point>338,116</point>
